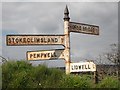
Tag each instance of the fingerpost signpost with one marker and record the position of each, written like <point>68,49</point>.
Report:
<point>26,40</point>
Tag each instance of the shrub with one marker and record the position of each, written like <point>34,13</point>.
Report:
<point>21,74</point>
<point>109,82</point>
<point>72,81</point>
<point>15,74</point>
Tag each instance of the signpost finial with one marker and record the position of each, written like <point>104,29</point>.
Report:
<point>66,14</point>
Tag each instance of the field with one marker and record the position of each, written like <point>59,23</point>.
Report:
<point>21,74</point>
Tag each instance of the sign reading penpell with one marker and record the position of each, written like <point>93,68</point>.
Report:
<point>13,40</point>
<point>45,54</point>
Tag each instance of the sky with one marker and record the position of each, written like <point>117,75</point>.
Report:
<point>47,18</point>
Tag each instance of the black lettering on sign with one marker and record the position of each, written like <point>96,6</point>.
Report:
<point>9,40</point>
<point>62,39</point>
<point>88,66</point>
<point>52,55</point>
<point>84,28</point>
<point>31,55</point>
<point>13,39</point>
<point>72,68</point>
<point>48,54</point>
<point>37,40</point>
<point>73,27</point>
<point>82,66</point>
<point>93,29</point>
<point>85,67</point>
<point>24,40</point>
<point>80,28</point>
<point>77,28</point>
<point>38,55</point>
<point>31,40</point>
<point>44,40</point>
<point>34,55</point>
<point>45,55</point>
<point>42,54</point>
<point>56,40</point>
<point>79,66</point>
<point>20,40</point>
<point>52,40</point>
<point>28,40</point>
<point>48,40</point>
<point>55,54</point>
<point>41,40</point>
<point>76,67</point>
<point>89,28</point>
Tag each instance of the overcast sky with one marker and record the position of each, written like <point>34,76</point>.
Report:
<point>47,18</point>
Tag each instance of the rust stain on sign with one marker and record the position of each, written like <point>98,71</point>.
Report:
<point>16,40</point>
<point>83,28</point>
<point>45,54</point>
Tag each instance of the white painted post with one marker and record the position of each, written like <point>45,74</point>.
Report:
<point>67,40</point>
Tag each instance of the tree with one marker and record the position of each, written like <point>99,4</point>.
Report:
<point>114,54</point>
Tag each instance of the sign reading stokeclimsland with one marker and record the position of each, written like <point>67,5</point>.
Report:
<point>15,40</point>
<point>82,67</point>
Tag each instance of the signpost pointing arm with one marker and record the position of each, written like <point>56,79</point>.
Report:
<point>15,40</point>
<point>45,54</point>
<point>83,28</point>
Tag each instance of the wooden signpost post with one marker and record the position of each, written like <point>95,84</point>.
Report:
<point>20,40</point>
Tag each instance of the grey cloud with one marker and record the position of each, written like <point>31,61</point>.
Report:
<point>26,17</point>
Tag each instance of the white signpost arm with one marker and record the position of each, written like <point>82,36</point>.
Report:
<point>67,40</point>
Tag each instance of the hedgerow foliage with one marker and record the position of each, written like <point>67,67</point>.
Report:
<point>109,82</point>
<point>21,74</point>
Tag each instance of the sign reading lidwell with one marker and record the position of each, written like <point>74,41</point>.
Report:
<point>82,67</point>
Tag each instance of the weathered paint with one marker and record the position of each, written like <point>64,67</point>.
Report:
<point>82,67</point>
<point>16,40</point>
<point>83,28</point>
<point>45,54</point>
<point>67,40</point>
